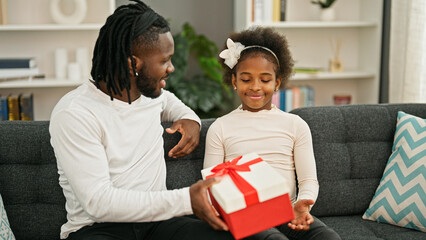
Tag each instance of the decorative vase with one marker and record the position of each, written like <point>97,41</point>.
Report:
<point>61,62</point>
<point>75,17</point>
<point>327,14</point>
<point>335,65</point>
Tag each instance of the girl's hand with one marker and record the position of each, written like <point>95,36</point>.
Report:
<point>302,217</point>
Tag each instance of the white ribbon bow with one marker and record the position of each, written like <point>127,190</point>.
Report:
<point>232,54</point>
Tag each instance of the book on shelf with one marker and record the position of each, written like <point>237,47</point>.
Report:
<point>294,97</point>
<point>276,11</point>
<point>17,107</point>
<point>15,73</point>
<point>310,70</point>
<point>17,63</point>
<point>26,112</point>
<point>257,11</point>
<point>3,108</point>
<point>13,107</point>
<point>283,7</point>
<point>268,11</point>
<point>3,12</point>
<point>288,94</point>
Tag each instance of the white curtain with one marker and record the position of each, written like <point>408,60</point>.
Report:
<point>407,59</point>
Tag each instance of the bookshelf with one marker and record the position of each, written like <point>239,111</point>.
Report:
<point>31,32</point>
<point>358,26</point>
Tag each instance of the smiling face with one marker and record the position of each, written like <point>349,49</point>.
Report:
<point>255,82</point>
<point>154,66</point>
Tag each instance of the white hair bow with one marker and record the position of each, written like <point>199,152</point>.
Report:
<point>232,54</point>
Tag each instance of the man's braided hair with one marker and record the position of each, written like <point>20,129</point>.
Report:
<point>129,28</point>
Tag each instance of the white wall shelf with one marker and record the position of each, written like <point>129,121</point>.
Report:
<point>40,83</point>
<point>331,76</point>
<point>316,24</point>
<point>50,27</point>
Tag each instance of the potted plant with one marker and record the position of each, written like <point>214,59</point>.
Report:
<point>204,92</point>
<point>327,12</point>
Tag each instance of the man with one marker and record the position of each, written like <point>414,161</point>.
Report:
<point>107,138</point>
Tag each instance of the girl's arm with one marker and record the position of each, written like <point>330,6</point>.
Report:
<point>306,177</point>
<point>304,161</point>
<point>215,152</point>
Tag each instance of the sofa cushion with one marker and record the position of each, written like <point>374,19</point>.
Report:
<point>400,196</point>
<point>355,228</point>
<point>5,231</point>
<point>352,144</point>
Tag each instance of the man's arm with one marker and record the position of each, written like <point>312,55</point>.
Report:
<point>184,121</point>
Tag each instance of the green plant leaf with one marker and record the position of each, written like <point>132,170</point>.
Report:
<point>324,4</point>
<point>203,92</point>
<point>211,67</point>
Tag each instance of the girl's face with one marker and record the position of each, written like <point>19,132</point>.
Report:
<point>256,82</point>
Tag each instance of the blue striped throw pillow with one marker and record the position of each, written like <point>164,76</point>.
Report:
<point>5,231</point>
<point>400,198</point>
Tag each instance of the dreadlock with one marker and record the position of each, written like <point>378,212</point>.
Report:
<point>129,27</point>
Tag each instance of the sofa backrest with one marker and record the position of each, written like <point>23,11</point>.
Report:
<point>29,185</point>
<point>352,145</point>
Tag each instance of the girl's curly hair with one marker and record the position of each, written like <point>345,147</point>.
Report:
<point>265,37</point>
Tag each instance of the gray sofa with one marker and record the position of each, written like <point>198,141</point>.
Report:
<point>351,144</point>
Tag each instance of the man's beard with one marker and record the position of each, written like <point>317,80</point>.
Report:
<point>148,86</point>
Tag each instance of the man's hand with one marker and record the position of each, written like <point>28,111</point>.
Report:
<point>190,131</point>
<point>302,217</point>
<point>202,207</point>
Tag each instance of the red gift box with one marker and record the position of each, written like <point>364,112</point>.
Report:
<point>251,197</point>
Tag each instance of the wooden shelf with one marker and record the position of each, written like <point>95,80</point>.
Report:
<point>317,24</point>
<point>40,83</point>
<point>50,27</point>
<point>331,76</point>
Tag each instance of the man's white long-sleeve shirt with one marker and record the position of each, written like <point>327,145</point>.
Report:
<point>111,159</point>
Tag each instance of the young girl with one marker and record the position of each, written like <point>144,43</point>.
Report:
<point>256,62</point>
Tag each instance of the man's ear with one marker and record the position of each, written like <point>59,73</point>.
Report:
<point>138,64</point>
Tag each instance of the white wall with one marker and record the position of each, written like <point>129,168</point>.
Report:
<point>213,18</point>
